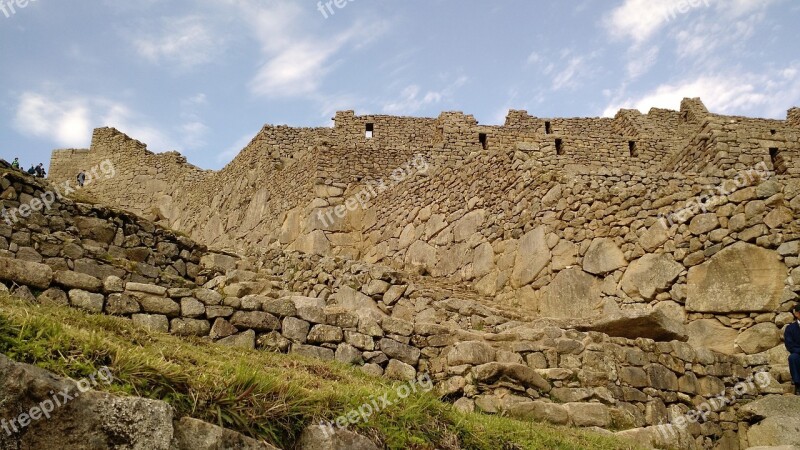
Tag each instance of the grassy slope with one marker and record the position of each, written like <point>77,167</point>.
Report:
<point>264,395</point>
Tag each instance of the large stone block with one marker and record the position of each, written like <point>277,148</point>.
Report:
<point>573,293</point>
<point>740,278</point>
<point>86,301</point>
<point>603,256</point>
<point>472,352</point>
<point>26,273</point>
<point>711,334</point>
<point>533,255</point>
<point>75,280</point>
<point>759,338</point>
<point>650,275</point>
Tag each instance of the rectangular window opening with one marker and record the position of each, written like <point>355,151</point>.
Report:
<point>559,147</point>
<point>772,132</point>
<point>632,148</point>
<point>548,128</point>
<point>778,164</point>
<point>370,131</point>
<point>484,140</point>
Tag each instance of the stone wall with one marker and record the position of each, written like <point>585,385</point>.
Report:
<point>383,320</point>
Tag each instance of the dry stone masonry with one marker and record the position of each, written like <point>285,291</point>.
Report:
<point>592,272</point>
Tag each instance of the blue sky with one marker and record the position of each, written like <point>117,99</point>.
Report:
<point>203,76</point>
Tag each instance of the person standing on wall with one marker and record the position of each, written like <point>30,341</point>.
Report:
<point>15,164</point>
<point>791,338</point>
<point>81,178</point>
<point>40,171</point>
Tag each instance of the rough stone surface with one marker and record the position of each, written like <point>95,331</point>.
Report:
<point>649,275</point>
<point>603,256</point>
<point>742,277</point>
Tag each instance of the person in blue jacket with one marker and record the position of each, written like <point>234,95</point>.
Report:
<point>791,338</point>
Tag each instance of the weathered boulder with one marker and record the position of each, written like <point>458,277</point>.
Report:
<point>603,256</point>
<point>96,229</point>
<point>573,293</point>
<point>740,278</point>
<point>539,412</point>
<point>646,323</point>
<point>471,352</point>
<point>219,262</point>
<point>322,437</point>
<point>76,280</point>
<point>26,273</point>
<point>776,421</point>
<point>495,372</point>
<point>86,301</point>
<point>397,350</point>
<point>193,434</point>
<point>759,338</point>
<point>352,300</point>
<point>421,257</point>
<point>533,255</point>
<point>649,275</point>
<point>588,414</point>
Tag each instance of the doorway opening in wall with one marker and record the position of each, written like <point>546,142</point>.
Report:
<point>548,128</point>
<point>370,131</point>
<point>559,147</point>
<point>778,164</point>
<point>632,148</point>
<point>484,140</point>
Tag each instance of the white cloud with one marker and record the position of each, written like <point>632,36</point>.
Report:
<point>186,42</point>
<point>751,94</point>
<point>638,20</point>
<point>68,121</point>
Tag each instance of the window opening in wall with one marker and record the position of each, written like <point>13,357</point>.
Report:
<point>484,140</point>
<point>778,164</point>
<point>559,147</point>
<point>370,130</point>
<point>772,132</point>
<point>632,148</point>
<point>548,128</point>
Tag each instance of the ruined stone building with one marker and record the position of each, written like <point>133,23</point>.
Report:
<point>650,228</point>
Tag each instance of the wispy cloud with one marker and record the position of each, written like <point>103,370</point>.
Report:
<point>296,62</point>
<point>413,100</point>
<point>185,42</point>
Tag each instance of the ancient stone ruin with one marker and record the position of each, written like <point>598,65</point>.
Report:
<point>614,273</point>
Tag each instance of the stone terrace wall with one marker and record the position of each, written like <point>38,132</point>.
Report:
<point>587,243</point>
<point>105,261</point>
